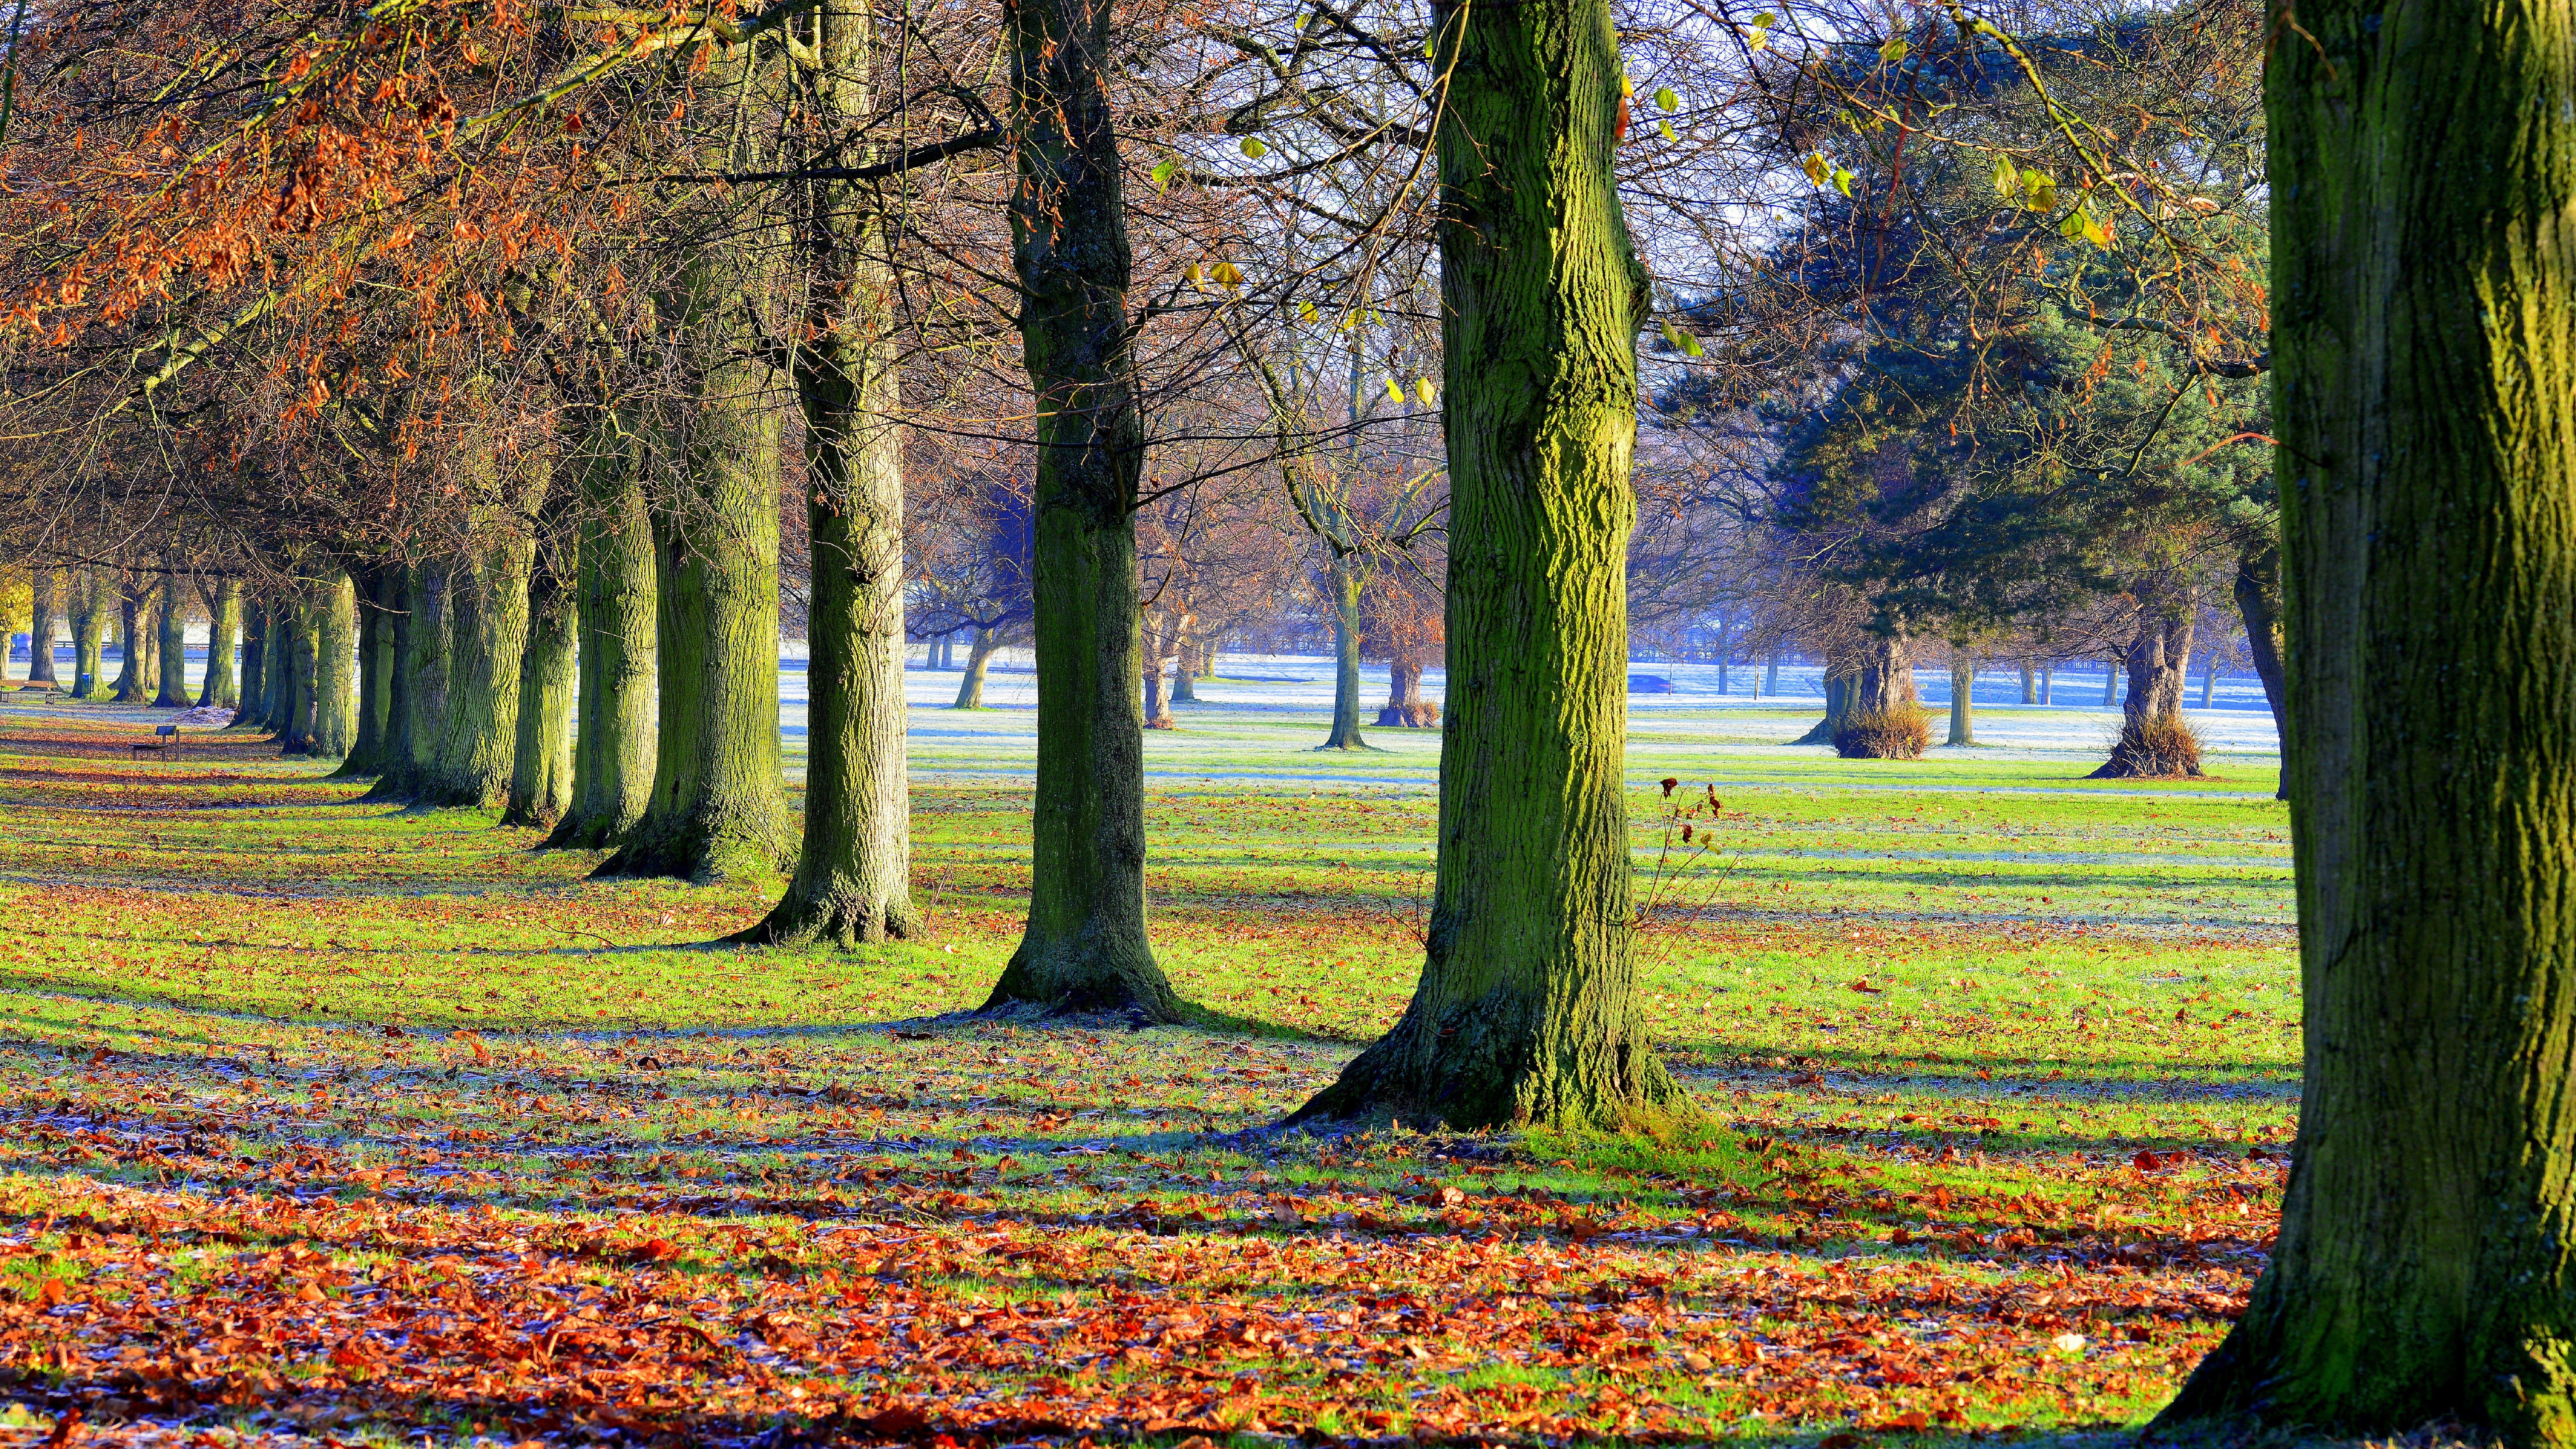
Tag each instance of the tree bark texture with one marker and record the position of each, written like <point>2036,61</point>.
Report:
<point>614,752</point>
<point>171,647</point>
<point>133,605</point>
<point>2155,742</point>
<point>2423,165</point>
<point>291,715</point>
<point>541,745</point>
<point>1526,1011</point>
<point>1963,706</point>
<point>1085,945</point>
<point>416,694</point>
<point>979,658</point>
<point>2258,602</point>
<point>2029,686</point>
<point>252,712</point>
<point>40,628</point>
<point>1882,715</point>
<point>853,880</point>
<point>718,807</point>
<point>1405,707</point>
<point>223,636</point>
<point>335,668</point>
<point>1343,577</point>
<point>375,586</point>
<point>90,603</point>
<point>469,759</point>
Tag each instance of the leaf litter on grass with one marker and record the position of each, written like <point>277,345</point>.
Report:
<point>372,1157</point>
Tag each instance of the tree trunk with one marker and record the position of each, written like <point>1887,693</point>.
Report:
<point>979,657</point>
<point>469,760</point>
<point>223,636</point>
<point>1186,653</point>
<point>132,608</point>
<point>1771,677</point>
<point>718,807</point>
<point>40,628</point>
<point>612,776</point>
<point>1841,665</point>
<point>416,694</point>
<point>2155,743</point>
<point>2425,401</point>
<point>89,631</point>
<point>1963,688</point>
<point>335,664</point>
<point>375,586</point>
<point>2111,683</point>
<point>1342,580</point>
<point>291,715</point>
<point>1405,706</point>
<point>1882,716</point>
<point>171,652</point>
<point>541,744</point>
<point>1158,655</point>
<point>251,713</point>
<point>2047,683</point>
<point>2209,679</point>
<point>2029,686</point>
<point>2258,594</point>
<point>1085,945</point>
<point>853,880</point>
<point>1526,1009</point>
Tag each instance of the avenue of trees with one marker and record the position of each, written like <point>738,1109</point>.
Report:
<point>472,368</point>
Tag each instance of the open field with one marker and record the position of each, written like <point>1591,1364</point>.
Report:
<point>324,1121</point>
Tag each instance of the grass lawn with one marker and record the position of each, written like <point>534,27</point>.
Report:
<point>327,1122</point>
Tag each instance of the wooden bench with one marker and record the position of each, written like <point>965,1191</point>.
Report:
<point>166,737</point>
<point>141,750</point>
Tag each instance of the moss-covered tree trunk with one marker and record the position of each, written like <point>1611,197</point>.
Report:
<point>1526,1010</point>
<point>1342,581</point>
<point>2154,742</point>
<point>1963,705</point>
<point>853,878</point>
<point>1188,655</point>
<point>376,586</point>
<point>1157,652</point>
<point>1085,945</point>
<point>541,765</point>
<point>487,629</point>
<point>979,658</point>
<point>1841,663</point>
<point>718,808</point>
<point>250,714</point>
<point>133,607</point>
<point>89,613</point>
<point>334,614</point>
<point>40,628</point>
<point>613,751</point>
<point>2423,168</point>
<point>223,638</point>
<point>2029,686</point>
<point>170,652</point>
<point>420,690</point>
<point>291,665</point>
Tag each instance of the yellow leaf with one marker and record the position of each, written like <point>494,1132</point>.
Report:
<point>1423,389</point>
<point>1226,274</point>
<point>1306,312</point>
<point>1815,167</point>
<point>1893,51</point>
<point>2007,180</point>
<point>1255,147</point>
<point>1842,181</point>
<point>1196,275</point>
<point>1394,392</point>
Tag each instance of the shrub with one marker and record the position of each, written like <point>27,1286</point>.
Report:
<point>2164,748</point>
<point>1895,734</point>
